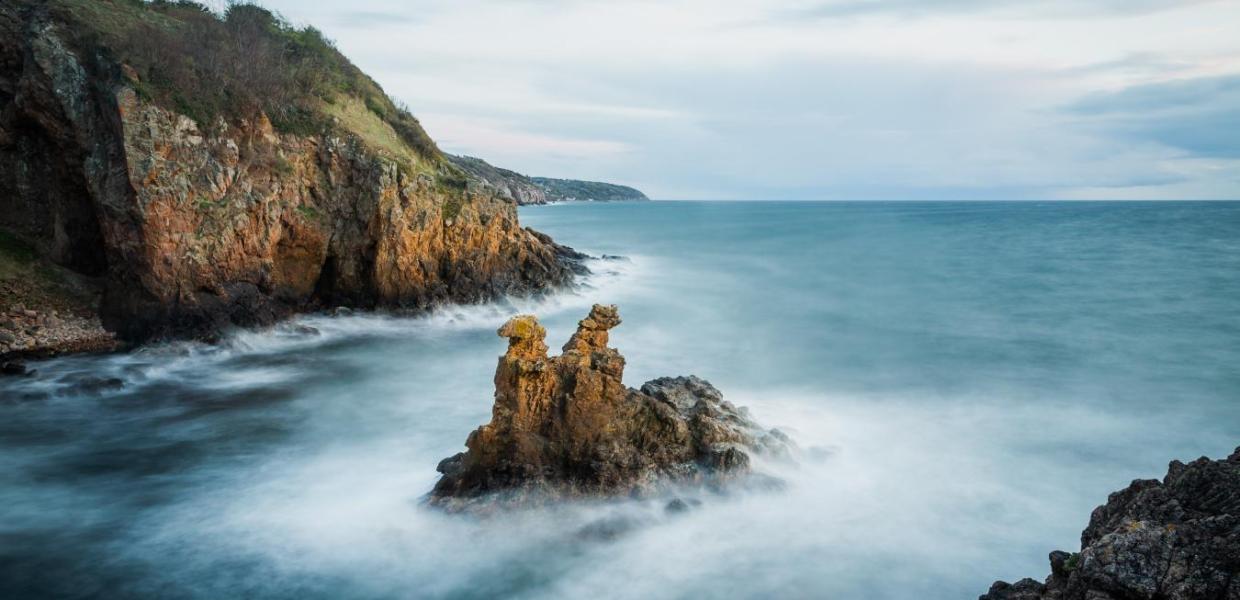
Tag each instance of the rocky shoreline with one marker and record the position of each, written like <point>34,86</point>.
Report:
<point>45,311</point>
<point>28,334</point>
<point>567,427</point>
<point>1174,539</point>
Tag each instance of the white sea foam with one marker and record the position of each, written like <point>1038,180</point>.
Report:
<point>961,402</point>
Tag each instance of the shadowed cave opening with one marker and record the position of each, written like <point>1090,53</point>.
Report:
<point>45,202</point>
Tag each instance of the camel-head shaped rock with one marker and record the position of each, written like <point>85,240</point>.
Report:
<point>592,331</point>
<point>525,338</point>
<point>567,425</point>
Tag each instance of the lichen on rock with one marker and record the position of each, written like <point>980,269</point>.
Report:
<point>566,426</point>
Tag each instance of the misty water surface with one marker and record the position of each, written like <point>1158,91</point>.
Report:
<point>966,382</point>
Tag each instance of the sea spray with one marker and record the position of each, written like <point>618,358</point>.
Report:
<point>968,380</point>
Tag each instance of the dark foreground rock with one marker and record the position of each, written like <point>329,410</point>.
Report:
<point>1175,539</point>
<point>566,426</point>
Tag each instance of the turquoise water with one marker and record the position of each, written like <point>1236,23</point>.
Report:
<point>966,382</point>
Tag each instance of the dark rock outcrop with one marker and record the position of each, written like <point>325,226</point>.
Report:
<point>195,225</point>
<point>566,426</point>
<point>1175,539</point>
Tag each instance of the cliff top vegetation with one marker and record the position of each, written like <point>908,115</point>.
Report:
<point>237,63</point>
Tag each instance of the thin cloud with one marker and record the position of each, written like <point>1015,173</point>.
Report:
<point>1026,8</point>
<point>488,137</point>
<point>817,98</point>
<point>1200,116</point>
<point>373,18</point>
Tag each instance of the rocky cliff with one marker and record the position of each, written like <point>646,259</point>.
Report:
<point>506,184</point>
<point>566,426</point>
<point>568,190</point>
<point>1175,539</point>
<point>541,190</point>
<point>134,148</point>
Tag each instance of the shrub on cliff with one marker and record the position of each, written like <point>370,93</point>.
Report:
<point>233,64</point>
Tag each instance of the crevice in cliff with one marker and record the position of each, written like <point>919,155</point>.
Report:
<point>325,286</point>
<point>44,198</point>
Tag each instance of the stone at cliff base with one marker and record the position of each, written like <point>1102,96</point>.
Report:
<point>566,426</point>
<point>1175,539</point>
<point>13,368</point>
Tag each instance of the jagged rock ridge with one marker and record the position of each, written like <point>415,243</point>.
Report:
<point>566,426</point>
<point>195,224</point>
<point>504,183</point>
<point>1175,539</point>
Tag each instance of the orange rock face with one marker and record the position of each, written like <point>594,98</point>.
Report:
<point>246,216</point>
<point>567,426</point>
<point>195,226</point>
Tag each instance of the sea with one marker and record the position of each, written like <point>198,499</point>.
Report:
<point>964,381</point>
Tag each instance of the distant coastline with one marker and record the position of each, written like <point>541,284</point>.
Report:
<point>526,190</point>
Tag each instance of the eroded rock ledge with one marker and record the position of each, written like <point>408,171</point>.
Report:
<point>1175,539</point>
<point>566,426</point>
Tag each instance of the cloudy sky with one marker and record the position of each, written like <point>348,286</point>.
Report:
<point>820,99</point>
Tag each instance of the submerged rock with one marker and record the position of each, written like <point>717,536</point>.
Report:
<point>566,426</point>
<point>90,385</point>
<point>1175,539</point>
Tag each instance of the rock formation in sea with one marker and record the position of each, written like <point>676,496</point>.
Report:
<point>214,170</point>
<point>566,426</point>
<point>1175,539</point>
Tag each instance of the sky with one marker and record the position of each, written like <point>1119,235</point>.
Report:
<point>820,99</point>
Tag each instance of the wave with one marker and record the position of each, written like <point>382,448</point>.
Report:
<point>235,362</point>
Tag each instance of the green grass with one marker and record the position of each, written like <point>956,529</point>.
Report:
<point>14,251</point>
<point>32,281</point>
<point>111,18</point>
<point>356,117</point>
<point>1073,562</point>
<point>309,212</point>
<point>16,258</point>
<point>205,204</point>
<point>452,207</point>
<point>282,166</point>
<point>245,62</point>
